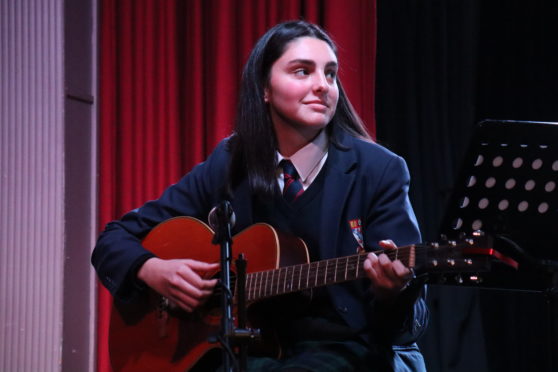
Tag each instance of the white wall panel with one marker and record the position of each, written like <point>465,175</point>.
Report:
<point>32,184</point>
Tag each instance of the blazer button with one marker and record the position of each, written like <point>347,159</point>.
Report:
<point>342,309</point>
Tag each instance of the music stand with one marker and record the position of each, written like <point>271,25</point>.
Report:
<point>508,187</point>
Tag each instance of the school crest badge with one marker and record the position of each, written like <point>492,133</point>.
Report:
<point>356,228</point>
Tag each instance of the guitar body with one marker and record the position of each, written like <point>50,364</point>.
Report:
<point>150,336</point>
<point>143,337</point>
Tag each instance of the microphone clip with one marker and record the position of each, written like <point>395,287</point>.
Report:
<point>222,219</point>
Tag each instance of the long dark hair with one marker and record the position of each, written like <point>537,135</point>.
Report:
<point>253,143</point>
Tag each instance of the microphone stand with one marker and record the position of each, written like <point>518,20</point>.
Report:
<point>221,220</point>
<point>222,226</point>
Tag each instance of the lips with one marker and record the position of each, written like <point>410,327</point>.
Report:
<point>316,102</point>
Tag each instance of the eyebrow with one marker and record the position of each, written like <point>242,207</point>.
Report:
<point>310,62</point>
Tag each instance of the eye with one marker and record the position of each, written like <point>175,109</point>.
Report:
<point>332,74</point>
<point>301,72</point>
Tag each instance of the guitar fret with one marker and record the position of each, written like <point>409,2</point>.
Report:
<point>286,286</point>
<point>271,282</point>
<point>325,273</point>
<point>272,273</point>
<point>247,287</point>
<point>308,276</point>
<point>331,271</point>
<point>274,282</point>
<point>284,280</point>
<point>277,281</point>
<point>335,271</point>
<point>254,285</point>
<point>299,277</point>
<point>266,282</point>
<point>349,268</point>
<point>317,273</point>
<point>284,271</point>
<point>291,279</point>
<point>258,284</point>
<point>281,280</point>
<point>271,285</point>
<point>274,288</point>
<point>353,267</point>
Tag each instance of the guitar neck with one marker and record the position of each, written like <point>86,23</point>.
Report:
<point>301,277</point>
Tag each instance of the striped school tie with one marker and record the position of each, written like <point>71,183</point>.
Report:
<point>293,187</point>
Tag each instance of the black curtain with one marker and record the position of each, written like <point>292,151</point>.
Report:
<point>443,66</point>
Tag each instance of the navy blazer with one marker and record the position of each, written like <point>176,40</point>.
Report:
<point>364,182</point>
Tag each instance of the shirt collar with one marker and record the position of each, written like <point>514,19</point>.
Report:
<point>308,158</point>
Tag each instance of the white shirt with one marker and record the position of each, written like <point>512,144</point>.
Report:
<point>308,161</point>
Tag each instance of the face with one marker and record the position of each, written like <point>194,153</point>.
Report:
<point>302,92</point>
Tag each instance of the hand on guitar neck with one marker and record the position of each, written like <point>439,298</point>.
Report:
<point>180,280</point>
<point>388,277</point>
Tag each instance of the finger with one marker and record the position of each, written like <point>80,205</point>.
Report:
<point>371,267</point>
<point>192,276</point>
<point>191,296</point>
<point>370,271</point>
<point>189,276</point>
<point>372,257</point>
<point>386,266</point>
<point>181,298</point>
<point>202,266</point>
<point>190,283</point>
<point>387,244</point>
<point>401,270</point>
<point>208,285</point>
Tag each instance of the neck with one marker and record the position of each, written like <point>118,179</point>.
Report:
<point>290,139</point>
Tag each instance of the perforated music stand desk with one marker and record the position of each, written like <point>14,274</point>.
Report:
<point>508,187</point>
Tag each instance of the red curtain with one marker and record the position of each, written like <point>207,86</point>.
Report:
<point>169,75</point>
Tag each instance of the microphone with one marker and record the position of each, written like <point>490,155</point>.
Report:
<point>220,215</point>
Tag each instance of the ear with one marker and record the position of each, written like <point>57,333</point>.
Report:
<point>266,95</point>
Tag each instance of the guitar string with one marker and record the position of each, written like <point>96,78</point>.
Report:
<point>284,281</point>
<point>351,270</point>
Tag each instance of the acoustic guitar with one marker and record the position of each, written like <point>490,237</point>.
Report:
<point>148,336</point>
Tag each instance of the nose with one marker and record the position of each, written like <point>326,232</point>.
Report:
<point>321,83</point>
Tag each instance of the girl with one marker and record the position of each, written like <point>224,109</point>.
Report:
<point>300,160</point>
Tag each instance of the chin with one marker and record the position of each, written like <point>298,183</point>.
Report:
<point>318,122</point>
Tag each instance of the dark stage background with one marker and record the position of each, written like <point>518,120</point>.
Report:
<point>443,66</point>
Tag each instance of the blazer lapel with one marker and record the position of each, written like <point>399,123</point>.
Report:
<point>337,188</point>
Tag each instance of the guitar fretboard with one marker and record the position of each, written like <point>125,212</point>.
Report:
<point>297,278</point>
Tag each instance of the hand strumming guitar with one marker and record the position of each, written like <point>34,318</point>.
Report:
<point>179,280</point>
<point>388,277</point>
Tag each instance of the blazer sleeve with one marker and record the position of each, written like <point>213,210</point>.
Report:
<point>390,216</point>
<point>118,253</point>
